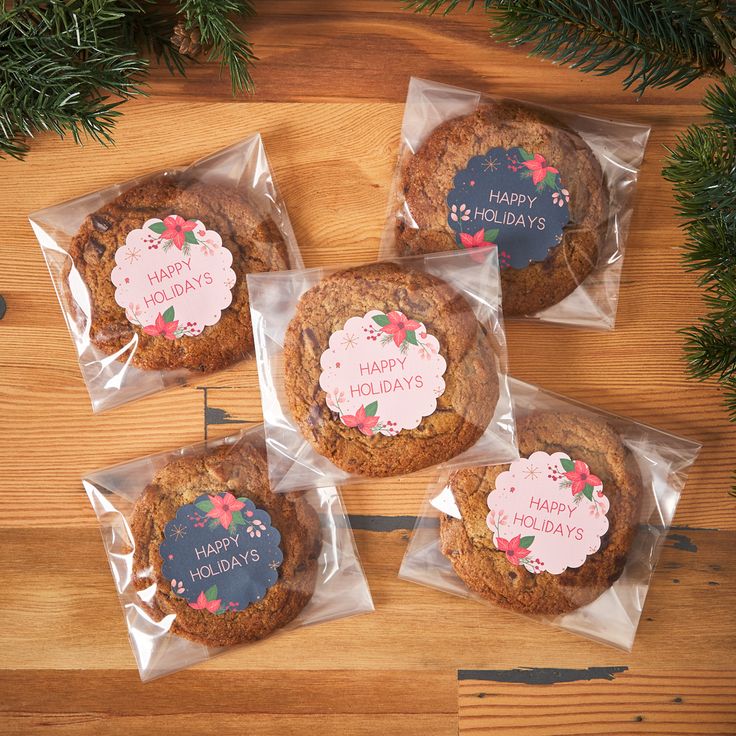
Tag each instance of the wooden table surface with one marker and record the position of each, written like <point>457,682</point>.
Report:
<point>331,79</point>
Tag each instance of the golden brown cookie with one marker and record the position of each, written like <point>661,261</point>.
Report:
<point>471,386</point>
<point>502,576</point>
<point>427,177</point>
<point>163,514</point>
<point>252,237</point>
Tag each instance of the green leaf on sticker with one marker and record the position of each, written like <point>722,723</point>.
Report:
<point>411,337</point>
<point>190,237</point>
<point>491,235</point>
<point>168,315</point>
<point>525,154</point>
<point>211,593</point>
<point>205,505</point>
<point>588,491</point>
<point>371,409</point>
<point>550,180</point>
<point>157,227</point>
<point>238,519</point>
<point>381,320</point>
<point>526,542</point>
<point>568,465</point>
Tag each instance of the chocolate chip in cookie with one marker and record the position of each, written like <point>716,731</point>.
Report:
<point>519,180</point>
<point>388,370</point>
<point>221,554</point>
<point>550,532</point>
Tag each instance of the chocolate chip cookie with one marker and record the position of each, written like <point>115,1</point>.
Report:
<point>241,536</point>
<point>162,341</point>
<point>399,422</point>
<point>547,160</point>
<point>596,468</point>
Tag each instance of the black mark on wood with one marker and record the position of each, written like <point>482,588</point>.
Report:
<point>681,542</point>
<point>214,415</point>
<point>382,523</point>
<point>542,675</point>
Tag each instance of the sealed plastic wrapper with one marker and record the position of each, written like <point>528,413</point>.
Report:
<point>382,369</point>
<point>550,189</point>
<point>205,556</point>
<point>150,274</point>
<point>570,533</point>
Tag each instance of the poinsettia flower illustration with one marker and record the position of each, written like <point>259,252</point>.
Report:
<point>515,553</point>
<point>581,477</point>
<point>177,229</point>
<point>202,604</point>
<point>398,325</point>
<point>162,328</point>
<point>474,241</point>
<point>361,421</point>
<point>223,508</point>
<point>538,167</point>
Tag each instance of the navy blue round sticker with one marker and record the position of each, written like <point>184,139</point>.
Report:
<point>512,199</point>
<point>221,553</point>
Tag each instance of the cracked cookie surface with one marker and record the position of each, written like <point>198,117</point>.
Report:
<point>427,176</point>
<point>241,470</point>
<point>471,392</point>
<point>468,542</point>
<point>253,239</point>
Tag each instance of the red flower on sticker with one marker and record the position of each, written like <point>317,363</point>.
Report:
<point>474,241</point>
<point>515,553</point>
<point>581,477</point>
<point>177,229</point>
<point>162,328</point>
<point>538,167</point>
<point>202,604</point>
<point>223,508</point>
<point>360,420</point>
<point>398,325</point>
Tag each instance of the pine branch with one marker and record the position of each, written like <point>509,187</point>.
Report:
<point>67,66</point>
<point>55,58</point>
<point>711,350</point>
<point>711,246</point>
<point>659,43</point>
<point>702,166</point>
<point>150,30</point>
<point>228,43</point>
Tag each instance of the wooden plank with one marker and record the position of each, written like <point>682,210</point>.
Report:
<point>646,701</point>
<point>259,701</point>
<point>71,612</point>
<point>367,50</point>
<point>267,691</point>
<point>234,724</point>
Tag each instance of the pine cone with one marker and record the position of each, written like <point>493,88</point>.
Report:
<point>187,40</point>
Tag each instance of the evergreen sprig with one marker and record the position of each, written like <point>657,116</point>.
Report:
<point>66,67</point>
<point>660,43</point>
<point>228,43</point>
<point>702,167</point>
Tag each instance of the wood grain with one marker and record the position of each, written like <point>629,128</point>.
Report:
<point>686,701</point>
<point>331,82</point>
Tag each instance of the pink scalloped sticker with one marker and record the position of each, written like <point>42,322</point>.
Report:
<point>382,373</point>
<point>173,277</point>
<point>548,512</point>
